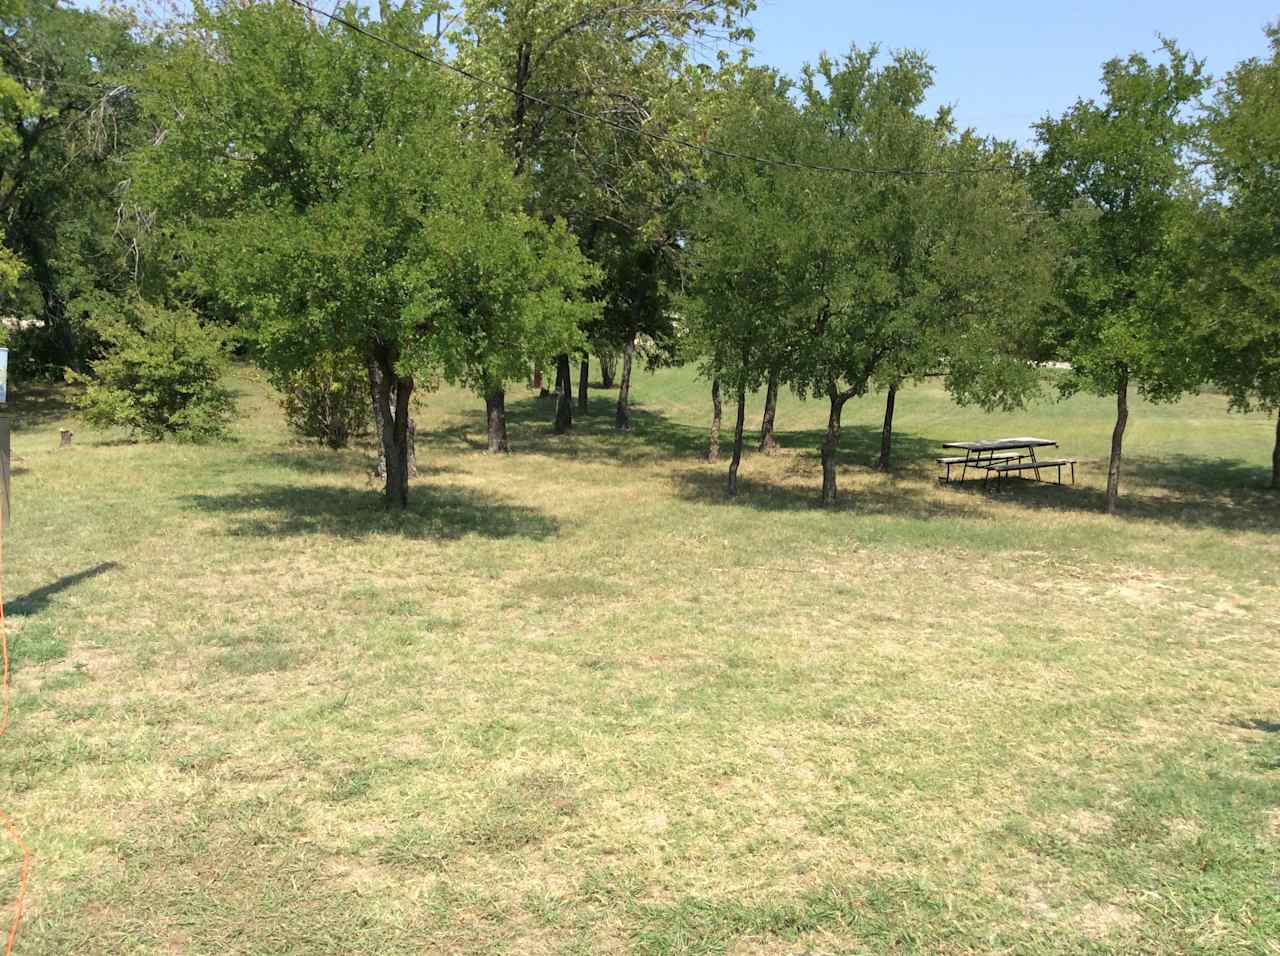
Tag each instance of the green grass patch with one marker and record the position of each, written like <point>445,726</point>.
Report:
<point>578,701</point>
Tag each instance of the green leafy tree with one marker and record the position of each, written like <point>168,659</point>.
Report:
<point>975,273</point>
<point>17,103</point>
<point>1241,281</point>
<point>752,240</point>
<point>868,271</point>
<point>70,119</point>
<point>516,294</point>
<point>160,376</point>
<point>1116,175</point>
<point>332,192</point>
<point>329,401</point>
<point>629,62</point>
<point>903,271</point>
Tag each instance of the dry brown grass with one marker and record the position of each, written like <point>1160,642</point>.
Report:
<point>576,702</point>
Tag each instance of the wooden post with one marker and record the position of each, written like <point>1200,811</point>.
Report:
<point>64,436</point>
<point>5,458</point>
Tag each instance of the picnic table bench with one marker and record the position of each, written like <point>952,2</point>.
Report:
<point>968,462</point>
<point>1002,456</point>
<point>1059,463</point>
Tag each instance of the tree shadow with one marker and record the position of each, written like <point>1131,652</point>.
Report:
<point>33,602</point>
<point>435,512</point>
<point>594,436</point>
<point>1187,471</point>
<point>356,459</point>
<point>1185,503</point>
<point>708,485</point>
<point>1182,490</point>
<point>39,406</point>
<point>1268,756</point>
<point>1262,726</point>
<point>653,436</point>
<point>860,446</point>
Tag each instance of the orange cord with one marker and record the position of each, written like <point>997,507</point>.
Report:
<point>4,817</point>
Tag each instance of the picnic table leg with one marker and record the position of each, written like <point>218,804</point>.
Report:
<point>1035,461</point>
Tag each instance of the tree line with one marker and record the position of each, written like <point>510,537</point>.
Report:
<point>487,193</point>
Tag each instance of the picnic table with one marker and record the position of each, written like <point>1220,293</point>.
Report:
<point>1000,456</point>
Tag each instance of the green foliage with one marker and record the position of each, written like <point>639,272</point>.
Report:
<point>334,199</point>
<point>618,193</point>
<point>843,281</point>
<point>929,273</point>
<point>1117,178</point>
<point>756,237</point>
<point>69,120</point>
<point>16,103</point>
<point>508,291</point>
<point>161,375</point>
<point>329,401</point>
<point>1240,281</point>
<point>11,267</point>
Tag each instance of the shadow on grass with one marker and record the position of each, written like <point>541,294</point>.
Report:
<point>33,602</point>
<point>1262,726</point>
<point>1184,471</point>
<point>653,435</point>
<point>860,447</point>
<point>435,512</point>
<point>594,436</point>
<point>317,460</point>
<point>1186,503</point>
<point>1191,492</point>
<point>39,406</point>
<point>909,500</point>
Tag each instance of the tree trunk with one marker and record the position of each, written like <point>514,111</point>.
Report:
<point>394,392</point>
<point>886,433</point>
<point>737,435</point>
<point>717,413</point>
<point>624,393</point>
<point>375,386</point>
<point>58,324</point>
<point>768,443</point>
<point>535,380</point>
<point>495,413</point>
<point>608,363</point>
<point>1275,456</point>
<point>1117,439</point>
<point>830,446</point>
<point>564,395</point>
<point>411,438</point>
<point>584,385</point>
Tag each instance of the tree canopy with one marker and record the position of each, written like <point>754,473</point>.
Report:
<point>1117,176</point>
<point>70,121</point>
<point>336,198</point>
<point>1240,281</point>
<point>914,252</point>
<point>472,191</point>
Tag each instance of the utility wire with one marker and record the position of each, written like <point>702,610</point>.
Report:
<point>633,130</point>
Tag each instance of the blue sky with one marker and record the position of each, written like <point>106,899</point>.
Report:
<point>1003,64</point>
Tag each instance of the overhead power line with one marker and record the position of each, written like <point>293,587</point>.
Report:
<point>635,130</point>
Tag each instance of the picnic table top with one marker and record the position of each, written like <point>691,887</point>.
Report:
<point>1001,444</point>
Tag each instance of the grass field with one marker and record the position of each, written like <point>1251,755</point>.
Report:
<point>578,702</point>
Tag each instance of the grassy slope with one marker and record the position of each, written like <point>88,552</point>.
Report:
<point>576,702</point>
